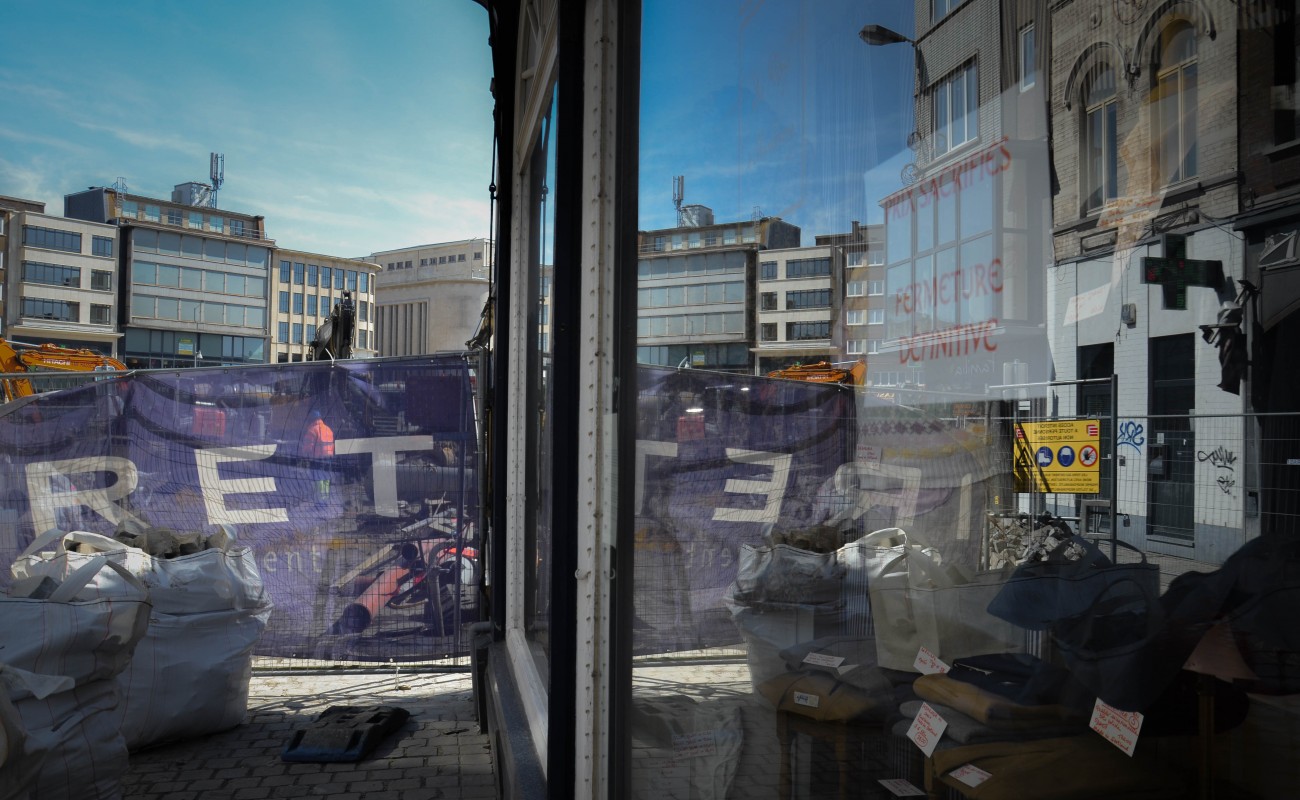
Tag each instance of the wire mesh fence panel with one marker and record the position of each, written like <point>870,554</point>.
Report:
<point>354,484</point>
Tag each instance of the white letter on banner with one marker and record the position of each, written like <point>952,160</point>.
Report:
<point>384,452</point>
<point>215,489</point>
<point>45,501</point>
<point>774,488</point>
<point>904,498</point>
<point>644,449</point>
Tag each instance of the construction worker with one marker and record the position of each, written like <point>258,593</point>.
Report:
<point>316,446</point>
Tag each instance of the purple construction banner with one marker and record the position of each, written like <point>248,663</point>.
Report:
<point>370,552</point>
<point>723,461</point>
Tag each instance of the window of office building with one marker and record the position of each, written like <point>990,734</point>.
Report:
<point>43,308</point>
<point>51,239</point>
<point>51,274</point>
<point>101,246</point>
<point>808,298</point>
<point>808,267</point>
<point>101,280</point>
<point>798,331</point>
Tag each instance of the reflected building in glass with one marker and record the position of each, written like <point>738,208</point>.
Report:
<point>697,286</point>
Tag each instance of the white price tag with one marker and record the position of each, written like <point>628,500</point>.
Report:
<point>805,699</point>
<point>901,788</point>
<point>970,775</point>
<point>1120,728</point>
<point>928,663</point>
<point>695,745</point>
<point>926,729</point>
<point>823,660</point>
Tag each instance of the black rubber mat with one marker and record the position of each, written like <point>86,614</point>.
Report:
<point>344,733</point>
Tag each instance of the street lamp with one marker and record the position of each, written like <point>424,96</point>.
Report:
<point>877,35</point>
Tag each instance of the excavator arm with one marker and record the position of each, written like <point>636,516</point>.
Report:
<point>334,336</point>
<point>824,372</point>
<point>19,358</point>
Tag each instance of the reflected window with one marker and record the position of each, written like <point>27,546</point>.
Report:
<point>956,109</point>
<point>1175,104</point>
<point>1100,162</point>
<point>1028,58</point>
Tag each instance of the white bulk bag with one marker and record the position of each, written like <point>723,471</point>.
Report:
<point>215,579</point>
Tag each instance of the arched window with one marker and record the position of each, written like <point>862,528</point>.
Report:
<point>1100,161</point>
<point>1175,104</point>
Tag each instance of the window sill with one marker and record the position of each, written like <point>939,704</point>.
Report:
<point>1283,150</point>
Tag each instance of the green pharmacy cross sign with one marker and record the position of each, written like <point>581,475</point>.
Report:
<point>1175,272</point>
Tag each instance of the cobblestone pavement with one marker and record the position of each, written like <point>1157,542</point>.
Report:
<point>438,753</point>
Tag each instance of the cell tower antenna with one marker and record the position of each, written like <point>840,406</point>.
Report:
<point>679,194</point>
<point>218,174</point>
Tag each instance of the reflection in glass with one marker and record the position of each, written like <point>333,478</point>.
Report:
<point>542,173</point>
<point>1040,403</point>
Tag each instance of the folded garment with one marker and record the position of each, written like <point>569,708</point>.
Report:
<point>963,729</point>
<point>848,660</point>
<point>1023,678</point>
<point>819,696</point>
<point>1069,768</point>
<point>988,707</point>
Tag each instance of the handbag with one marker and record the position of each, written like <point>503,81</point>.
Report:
<point>917,601</point>
<point>1039,593</point>
<point>1121,647</point>
<point>783,574</point>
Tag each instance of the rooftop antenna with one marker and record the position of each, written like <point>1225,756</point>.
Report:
<point>679,193</point>
<point>218,174</point>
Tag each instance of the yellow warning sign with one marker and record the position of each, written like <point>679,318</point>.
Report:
<point>1061,456</point>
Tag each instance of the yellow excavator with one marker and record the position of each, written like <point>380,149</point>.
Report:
<point>824,372</point>
<point>17,357</point>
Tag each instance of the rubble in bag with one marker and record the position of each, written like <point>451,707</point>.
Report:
<point>344,733</point>
<point>168,543</point>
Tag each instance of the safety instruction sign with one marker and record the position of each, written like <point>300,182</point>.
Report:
<point>1061,456</point>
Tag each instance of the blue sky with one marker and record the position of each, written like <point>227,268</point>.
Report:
<point>774,105</point>
<point>352,127</point>
<point>359,128</point>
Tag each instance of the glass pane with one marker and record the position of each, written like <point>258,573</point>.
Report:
<point>542,172</point>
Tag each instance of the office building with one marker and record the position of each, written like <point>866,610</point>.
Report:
<point>431,298</point>
<point>193,279</point>
<point>306,288</point>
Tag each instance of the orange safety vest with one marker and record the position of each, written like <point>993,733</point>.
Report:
<point>318,440</point>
